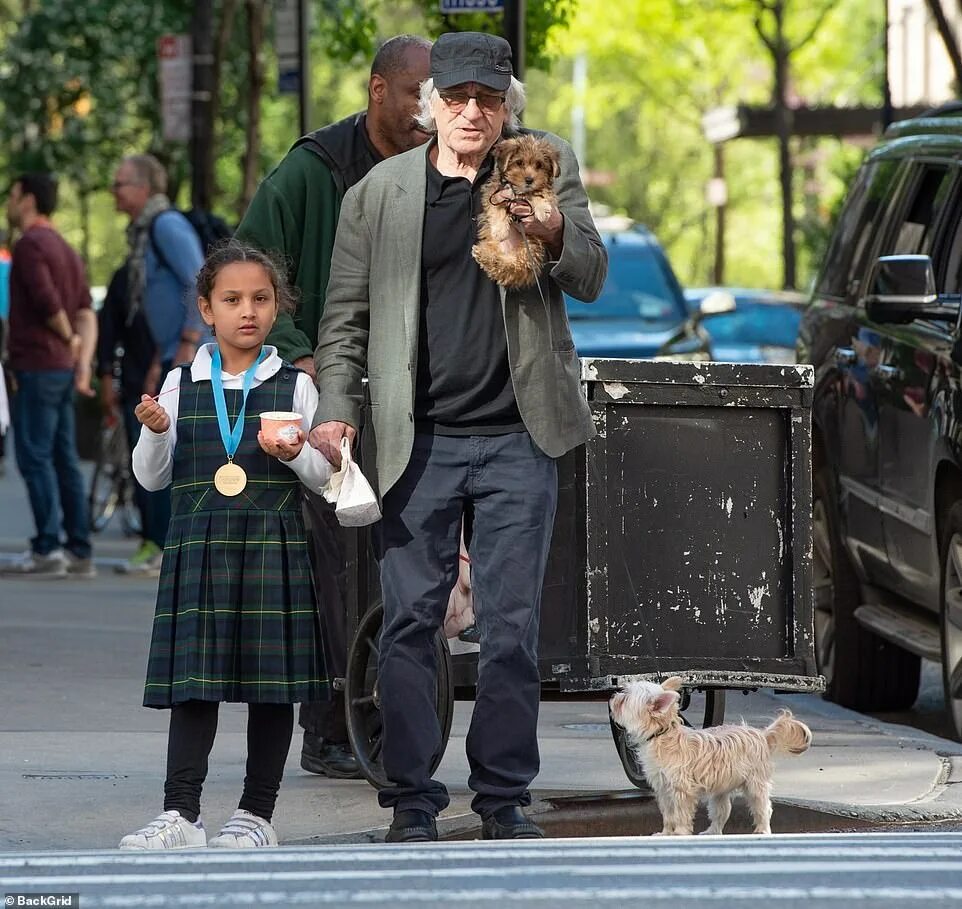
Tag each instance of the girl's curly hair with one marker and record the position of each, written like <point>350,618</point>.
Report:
<point>230,251</point>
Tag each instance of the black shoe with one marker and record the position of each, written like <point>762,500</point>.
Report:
<point>329,759</point>
<point>510,823</point>
<point>412,826</point>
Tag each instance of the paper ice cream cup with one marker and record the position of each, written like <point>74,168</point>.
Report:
<point>281,425</point>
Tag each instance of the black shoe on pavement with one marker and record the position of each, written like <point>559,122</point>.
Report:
<point>510,823</point>
<point>331,759</point>
<point>412,826</point>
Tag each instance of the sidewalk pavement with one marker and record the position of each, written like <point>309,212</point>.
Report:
<point>81,762</point>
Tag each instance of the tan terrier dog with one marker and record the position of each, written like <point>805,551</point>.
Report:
<point>684,765</point>
<point>521,184</point>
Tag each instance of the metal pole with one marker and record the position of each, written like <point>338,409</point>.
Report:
<point>514,33</point>
<point>201,125</point>
<point>579,81</point>
<point>303,60</point>
<point>886,87</point>
<point>718,273</point>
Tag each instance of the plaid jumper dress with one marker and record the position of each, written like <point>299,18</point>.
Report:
<point>236,618</point>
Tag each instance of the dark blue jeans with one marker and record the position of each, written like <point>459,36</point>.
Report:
<point>46,450</point>
<point>154,507</point>
<point>511,487</point>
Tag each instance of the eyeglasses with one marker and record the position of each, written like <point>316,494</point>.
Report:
<point>120,184</point>
<point>458,101</point>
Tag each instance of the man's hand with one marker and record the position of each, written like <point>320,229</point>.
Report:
<point>108,399</point>
<point>326,438</point>
<point>550,230</point>
<point>186,351</point>
<point>152,415</point>
<point>82,375</point>
<point>307,365</point>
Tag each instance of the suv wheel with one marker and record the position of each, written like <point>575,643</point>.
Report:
<point>862,671</point>
<point>950,599</point>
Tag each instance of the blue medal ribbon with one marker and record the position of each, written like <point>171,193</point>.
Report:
<point>231,437</point>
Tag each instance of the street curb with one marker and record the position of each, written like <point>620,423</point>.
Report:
<point>943,801</point>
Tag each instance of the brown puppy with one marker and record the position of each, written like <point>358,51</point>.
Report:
<point>520,184</point>
<point>684,765</point>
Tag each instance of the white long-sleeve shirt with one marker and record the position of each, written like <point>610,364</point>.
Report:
<point>153,458</point>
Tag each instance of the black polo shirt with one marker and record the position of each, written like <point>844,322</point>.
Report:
<point>463,380</point>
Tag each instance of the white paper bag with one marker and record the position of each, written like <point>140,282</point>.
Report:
<point>356,505</point>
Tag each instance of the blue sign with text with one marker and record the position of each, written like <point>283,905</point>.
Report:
<point>471,6</point>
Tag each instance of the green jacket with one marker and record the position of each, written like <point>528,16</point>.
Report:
<point>370,323</point>
<point>294,214</point>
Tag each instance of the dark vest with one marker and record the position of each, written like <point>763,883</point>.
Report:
<point>199,452</point>
<point>341,147</point>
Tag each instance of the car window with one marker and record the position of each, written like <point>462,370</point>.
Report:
<point>912,234</point>
<point>856,227</point>
<point>755,324</point>
<point>639,284</point>
<point>947,253</point>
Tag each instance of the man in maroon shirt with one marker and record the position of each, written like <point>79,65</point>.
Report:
<point>52,335</point>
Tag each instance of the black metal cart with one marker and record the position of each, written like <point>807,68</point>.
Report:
<point>682,546</point>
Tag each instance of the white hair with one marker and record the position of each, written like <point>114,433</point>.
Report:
<point>514,102</point>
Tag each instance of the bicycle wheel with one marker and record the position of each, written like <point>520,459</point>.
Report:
<point>364,703</point>
<point>104,492</point>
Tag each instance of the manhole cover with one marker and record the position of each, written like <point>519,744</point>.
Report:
<point>588,727</point>
<point>74,775</point>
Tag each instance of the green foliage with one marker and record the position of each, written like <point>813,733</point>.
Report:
<point>351,28</point>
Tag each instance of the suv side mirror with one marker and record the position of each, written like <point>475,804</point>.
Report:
<point>716,303</point>
<point>903,289</point>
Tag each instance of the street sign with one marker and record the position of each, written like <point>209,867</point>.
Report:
<point>175,71</point>
<point>471,6</point>
<point>287,43</point>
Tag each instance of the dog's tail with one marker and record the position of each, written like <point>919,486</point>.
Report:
<point>788,734</point>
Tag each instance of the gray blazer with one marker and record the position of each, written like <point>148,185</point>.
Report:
<point>370,320</point>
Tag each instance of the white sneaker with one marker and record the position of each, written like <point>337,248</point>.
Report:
<point>167,831</point>
<point>244,831</point>
<point>34,565</point>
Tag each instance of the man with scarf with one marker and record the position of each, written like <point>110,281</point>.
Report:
<point>164,257</point>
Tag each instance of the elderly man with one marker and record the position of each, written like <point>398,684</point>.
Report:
<point>294,212</point>
<point>474,392</point>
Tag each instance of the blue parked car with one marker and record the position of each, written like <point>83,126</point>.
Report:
<point>641,305</point>
<point>738,325</point>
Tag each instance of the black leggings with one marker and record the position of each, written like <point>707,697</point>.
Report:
<point>191,737</point>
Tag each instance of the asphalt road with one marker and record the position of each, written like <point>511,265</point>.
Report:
<point>797,871</point>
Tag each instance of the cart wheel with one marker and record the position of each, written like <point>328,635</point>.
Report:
<point>364,702</point>
<point>714,716</point>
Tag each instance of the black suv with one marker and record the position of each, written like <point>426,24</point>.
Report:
<point>883,332</point>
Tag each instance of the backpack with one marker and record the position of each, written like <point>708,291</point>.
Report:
<point>210,230</point>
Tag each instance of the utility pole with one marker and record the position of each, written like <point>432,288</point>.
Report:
<point>514,34</point>
<point>201,120</point>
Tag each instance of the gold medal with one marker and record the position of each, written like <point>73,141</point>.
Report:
<point>230,479</point>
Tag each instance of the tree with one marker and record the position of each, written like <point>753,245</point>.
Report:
<point>948,39</point>
<point>771,26</point>
<point>350,27</point>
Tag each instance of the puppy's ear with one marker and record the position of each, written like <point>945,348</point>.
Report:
<point>503,150</point>
<point>553,159</point>
<point>673,683</point>
<point>661,702</point>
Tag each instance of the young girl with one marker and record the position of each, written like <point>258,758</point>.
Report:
<point>236,617</point>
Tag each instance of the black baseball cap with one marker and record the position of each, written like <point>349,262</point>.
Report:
<point>459,57</point>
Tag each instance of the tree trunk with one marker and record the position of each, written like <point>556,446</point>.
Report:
<point>225,29</point>
<point>255,89</point>
<point>783,133</point>
<point>202,125</point>
<point>948,39</point>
